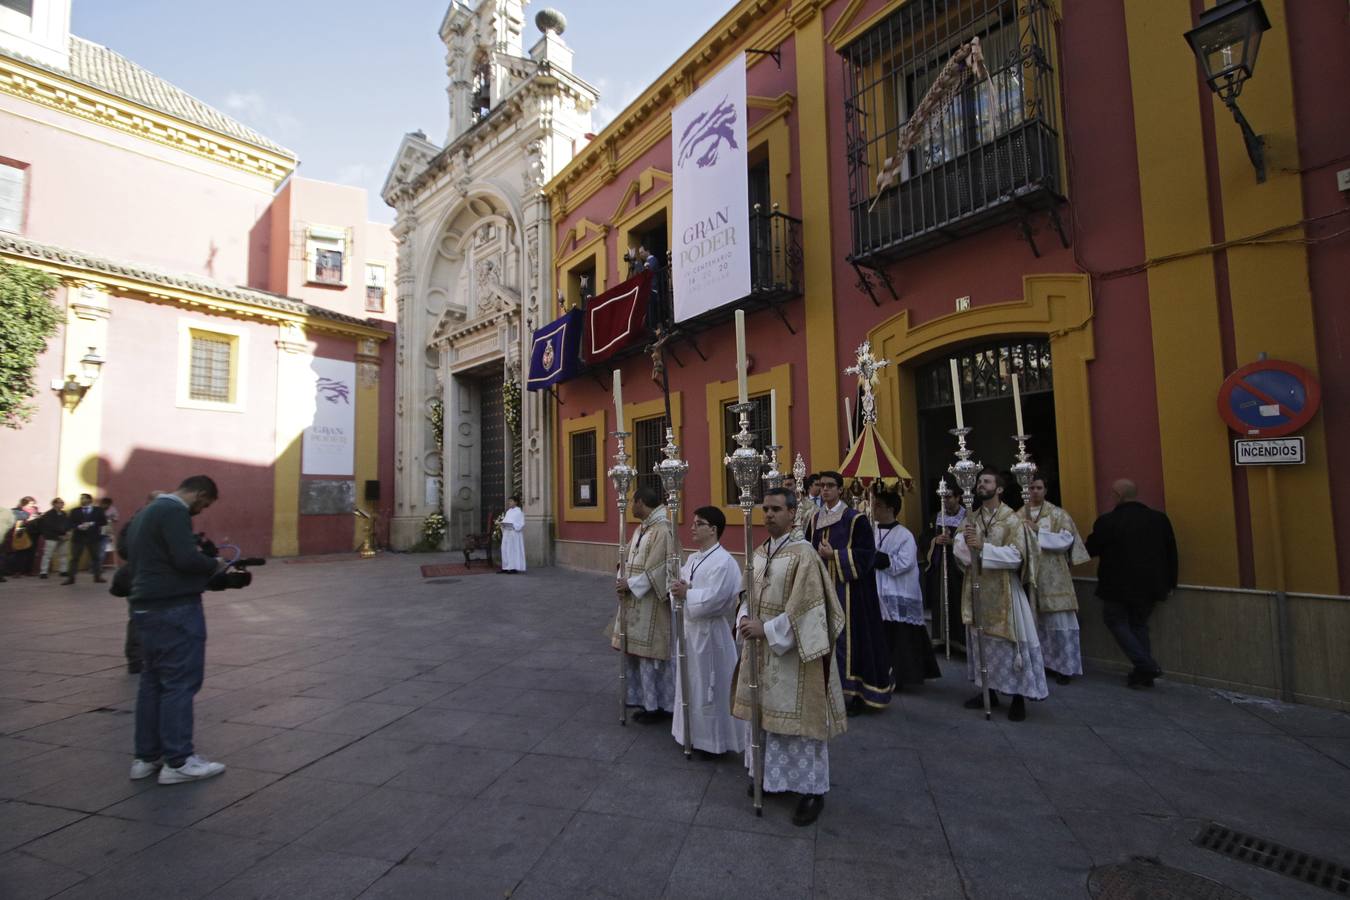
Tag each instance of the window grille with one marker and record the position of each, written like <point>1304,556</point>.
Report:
<point>989,152</point>
<point>760,425</point>
<point>210,369</point>
<point>583,469</point>
<point>986,373</point>
<point>649,436</point>
<point>328,266</point>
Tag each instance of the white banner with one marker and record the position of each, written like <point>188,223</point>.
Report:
<point>710,247</point>
<point>329,445</point>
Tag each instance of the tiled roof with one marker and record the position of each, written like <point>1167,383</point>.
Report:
<point>97,66</point>
<point>18,246</point>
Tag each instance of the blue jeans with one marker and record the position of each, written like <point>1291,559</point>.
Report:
<point>173,644</point>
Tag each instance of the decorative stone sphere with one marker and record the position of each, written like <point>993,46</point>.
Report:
<point>549,19</point>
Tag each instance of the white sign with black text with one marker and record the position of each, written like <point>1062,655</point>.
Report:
<point>710,246</point>
<point>1269,452</point>
<point>329,446</point>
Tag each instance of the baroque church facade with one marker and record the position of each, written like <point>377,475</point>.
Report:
<point>474,251</point>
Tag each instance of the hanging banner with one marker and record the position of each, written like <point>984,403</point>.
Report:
<point>616,319</point>
<point>710,257</point>
<point>329,443</point>
<point>554,352</point>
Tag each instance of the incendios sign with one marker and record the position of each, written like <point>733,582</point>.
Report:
<point>710,247</point>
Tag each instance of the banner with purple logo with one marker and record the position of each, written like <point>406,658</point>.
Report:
<point>710,243</point>
<point>329,445</point>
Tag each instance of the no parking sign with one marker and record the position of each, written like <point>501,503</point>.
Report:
<point>1269,398</point>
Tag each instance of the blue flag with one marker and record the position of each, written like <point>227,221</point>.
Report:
<point>555,352</point>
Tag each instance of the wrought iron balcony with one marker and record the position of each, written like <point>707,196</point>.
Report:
<point>989,154</point>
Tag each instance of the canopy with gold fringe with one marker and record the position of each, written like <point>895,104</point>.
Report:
<point>870,459</point>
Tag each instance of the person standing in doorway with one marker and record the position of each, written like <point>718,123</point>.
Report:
<point>1138,552</point>
<point>513,537</point>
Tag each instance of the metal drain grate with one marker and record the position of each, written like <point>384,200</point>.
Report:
<point>1281,860</point>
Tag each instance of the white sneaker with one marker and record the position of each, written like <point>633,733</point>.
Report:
<point>194,768</point>
<point>142,768</point>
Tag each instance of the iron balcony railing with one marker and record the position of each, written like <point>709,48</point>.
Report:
<point>991,151</point>
<point>775,273</point>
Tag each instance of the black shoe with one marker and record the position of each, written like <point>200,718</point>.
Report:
<point>43,575</point>
<point>99,579</point>
<point>69,581</point>
<point>706,756</point>
<point>808,809</point>
<point>1018,710</point>
<point>134,668</point>
<point>1063,679</point>
<point>977,702</point>
<point>855,707</point>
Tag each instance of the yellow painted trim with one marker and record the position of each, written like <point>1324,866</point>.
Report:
<point>575,238</point>
<point>48,89</point>
<point>1183,299</point>
<point>295,411</point>
<point>189,328</point>
<point>641,186</point>
<point>655,409</point>
<point>367,440</point>
<point>597,249</point>
<point>645,212</point>
<point>1057,306</point>
<point>81,436</point>
<point>847,28</point>
<point>773,130</point>
<point>822,370</point>
<point>1273,313</point>
<point>779,379</point>
<point>152,292</point>
<point>593,422</point>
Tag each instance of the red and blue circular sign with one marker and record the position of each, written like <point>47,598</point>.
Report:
<point>1269,398</point>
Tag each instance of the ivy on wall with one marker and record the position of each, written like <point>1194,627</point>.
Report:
<point>28,318</point>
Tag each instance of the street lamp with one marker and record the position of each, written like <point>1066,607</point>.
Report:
<point>74,387</point>
<point>1226,42</point>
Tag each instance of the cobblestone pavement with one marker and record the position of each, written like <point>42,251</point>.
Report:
<point>390,736</point>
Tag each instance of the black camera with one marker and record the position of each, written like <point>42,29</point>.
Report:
<point>235,575</point>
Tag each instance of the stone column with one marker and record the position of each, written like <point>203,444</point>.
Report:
<point>409,412</point>
<point>536,407</point>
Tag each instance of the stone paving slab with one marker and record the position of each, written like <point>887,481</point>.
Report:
<point>391,737</point>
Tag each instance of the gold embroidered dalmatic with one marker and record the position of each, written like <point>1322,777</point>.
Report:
<point>1002,528</point>
<point>800,690</point>
<point>1054,584</point>
<point>648,616</point>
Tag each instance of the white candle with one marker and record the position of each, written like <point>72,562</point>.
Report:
<point>741,391</point>
<point>773,416</point>
<point>848,421</point>
<point>1017,405</point>
<point>956,395</point>
<point>618,400</point>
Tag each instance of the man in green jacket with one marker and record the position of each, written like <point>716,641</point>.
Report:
<point>169,574</point>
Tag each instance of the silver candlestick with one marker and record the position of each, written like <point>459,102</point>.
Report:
<point>622,475</point>
<point>1024,470</point>
<point>746,464</point>
<point>671,471</point>
<point>772,477</point>
<point>966,471</point>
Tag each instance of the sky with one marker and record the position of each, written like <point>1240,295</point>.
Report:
<point>340,82</point>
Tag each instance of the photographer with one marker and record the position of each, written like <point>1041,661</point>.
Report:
<point>169,574</point>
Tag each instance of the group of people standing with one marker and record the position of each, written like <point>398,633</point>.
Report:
<point>835,610</point>
<point>60,540</point>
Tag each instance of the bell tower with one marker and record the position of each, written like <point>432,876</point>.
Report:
<point>484,48</point>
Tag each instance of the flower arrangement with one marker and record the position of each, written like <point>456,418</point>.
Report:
<point>434,528</point>
<point>497,526</point>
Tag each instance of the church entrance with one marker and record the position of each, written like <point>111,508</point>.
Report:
<point>987,404</point>
<point>492,449</point>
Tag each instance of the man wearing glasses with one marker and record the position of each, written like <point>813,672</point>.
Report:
<point>709,585</point>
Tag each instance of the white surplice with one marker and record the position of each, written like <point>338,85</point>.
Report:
<point>714,586</point>
<point>1014,668</point>
<point>513,540</point>
<point>1058,631</point>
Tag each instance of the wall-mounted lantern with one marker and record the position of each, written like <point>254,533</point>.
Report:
<point>73,389</point>
<point>1225,42</point>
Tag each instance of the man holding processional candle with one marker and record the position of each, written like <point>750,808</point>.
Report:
<point>643,602</point>
<point>1003,652</point>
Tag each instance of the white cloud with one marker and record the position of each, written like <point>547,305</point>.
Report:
<point>254,110</point>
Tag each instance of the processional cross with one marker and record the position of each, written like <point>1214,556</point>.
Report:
<point>868,369</point>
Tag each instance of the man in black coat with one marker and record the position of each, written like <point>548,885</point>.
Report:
<point>86,536</point>
<point>1138,568</point>
<point>53,527</point>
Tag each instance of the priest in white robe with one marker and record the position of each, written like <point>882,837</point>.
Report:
<point>709,587</point>
<point>645,607</point>
<point>1003,652</point>
<point>1053,595</point>
<point>513,536</point>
